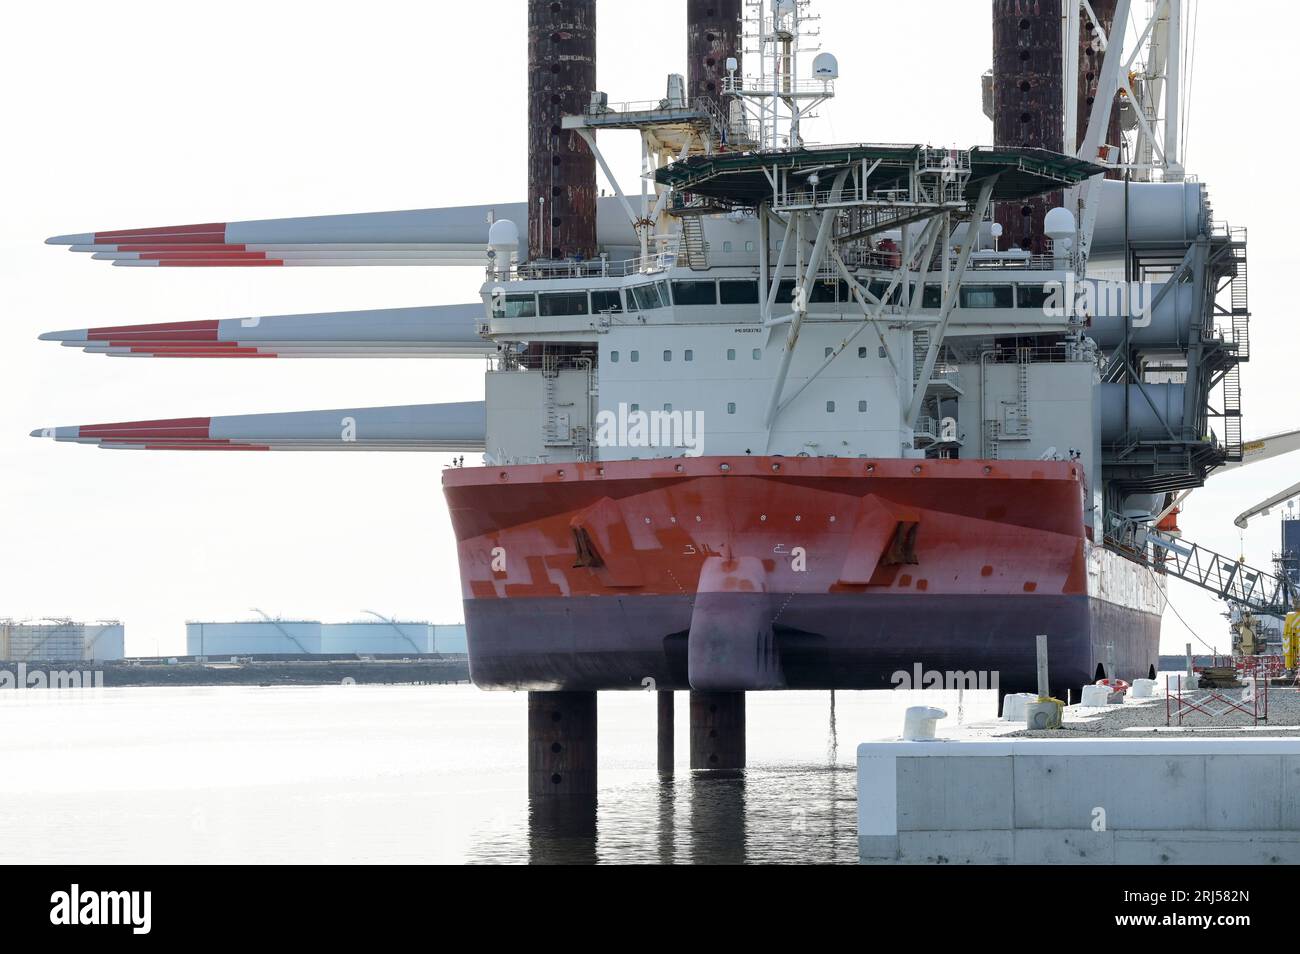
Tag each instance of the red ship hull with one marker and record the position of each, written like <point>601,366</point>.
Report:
<point>773,572</point>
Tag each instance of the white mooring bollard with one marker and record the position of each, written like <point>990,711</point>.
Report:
<point>1094,696</point>
<point>1013,706</point>
<point>919,722</point>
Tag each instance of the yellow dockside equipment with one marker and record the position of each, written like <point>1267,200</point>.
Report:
<point>1291,639</point>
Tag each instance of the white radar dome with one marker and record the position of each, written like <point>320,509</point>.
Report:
<point>1059,224</point>
<point>503,233</point>
<point>826,67</point>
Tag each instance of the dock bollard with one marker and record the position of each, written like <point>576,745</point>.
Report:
<point>1094,696</point>
<point>919,722</point>
<point>1043,714</point>
<point>1143,689</point>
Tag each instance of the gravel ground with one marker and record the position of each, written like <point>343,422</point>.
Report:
<point>1146,718</point>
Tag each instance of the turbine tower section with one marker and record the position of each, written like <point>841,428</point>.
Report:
<point>713,36</point>
<point>1028,95</point>
<point>561,169</point>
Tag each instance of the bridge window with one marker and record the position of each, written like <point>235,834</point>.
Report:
<point>517,306</point>
<point>606,300</point>
<point>986,296</point>
<point>738,292</point>
<point>695,293</point>
<point>879,288</point>
<point>648,297</point>
<point>932,297</point>
<point>785,292</point>
<point>822,292</point>
<point>1033,296</point>
<point>559,304</point>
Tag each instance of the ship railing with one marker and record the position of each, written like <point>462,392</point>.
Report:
<point>946,161</point>
<point>636,106</point>
<point>1222,228</point>
<point>688,203</point>
<point>756,85</point>
<point>659,261</point>
<point>550,363</point>
<point>1058,354</point>
<point>860,256</point>
<point>886,200</point>
<point>1014,263</point>
<point>824,146</point>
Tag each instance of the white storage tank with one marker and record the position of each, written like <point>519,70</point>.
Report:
<point>383,637</point>
<point>253,638</point>
<point>449,638</point>
<point>370,637</point>
<point>105,640</point>
<point>59,639</point>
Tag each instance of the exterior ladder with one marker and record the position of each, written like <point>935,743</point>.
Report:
<point>1232,412</point>
<point>550,372</point>
<point>920,347</point>
<point>1022,389</point>
<point>1240,299</point>
<point>695,248</point>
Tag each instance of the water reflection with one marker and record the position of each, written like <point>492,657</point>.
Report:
<point>667,834</point>
<point>765,814</point>
<point>562,830</point>
<point>802,814</point>
<point>411,774</point>
<point>717,814</point>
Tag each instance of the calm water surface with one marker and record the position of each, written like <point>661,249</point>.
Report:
<point>415,774</point>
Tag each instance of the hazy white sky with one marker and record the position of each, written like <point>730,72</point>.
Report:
<point>153,113</point>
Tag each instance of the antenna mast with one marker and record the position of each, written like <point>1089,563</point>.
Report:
<point>777,99</point>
